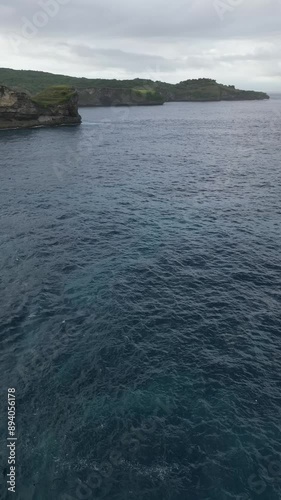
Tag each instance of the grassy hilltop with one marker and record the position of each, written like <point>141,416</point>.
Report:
<point>54,96</point>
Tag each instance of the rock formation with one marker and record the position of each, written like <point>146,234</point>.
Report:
<point>119,97</point>
<point>54,107</point>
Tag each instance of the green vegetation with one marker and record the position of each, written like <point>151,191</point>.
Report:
<point>36,81</point>
<point>206,89</point>
<point>195,82</point>
<point>149,95</point>
<point>202,89</point>
<point>54,96</point>
<point>141,91</point>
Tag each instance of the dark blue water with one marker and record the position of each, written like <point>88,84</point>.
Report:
<point>140,318</point>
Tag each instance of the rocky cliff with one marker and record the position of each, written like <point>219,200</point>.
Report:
<point>119,97</point>
<point>205,89</point>
<point>158,93</point>
<point>53,107</point>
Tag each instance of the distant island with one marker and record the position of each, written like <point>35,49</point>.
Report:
<point>137,92</point>
<point>55,106</point>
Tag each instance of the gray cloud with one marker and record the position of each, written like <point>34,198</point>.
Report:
<point>153,18</point>
<point>229,40</point>
<point>114,58</point>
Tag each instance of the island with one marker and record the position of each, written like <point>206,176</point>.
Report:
<point>54,106</point>
<point>101,92</point>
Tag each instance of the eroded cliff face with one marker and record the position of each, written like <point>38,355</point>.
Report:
<point>18,110</point>
<point>119,97</point>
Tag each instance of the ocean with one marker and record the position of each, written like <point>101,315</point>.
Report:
<point>140,318</point>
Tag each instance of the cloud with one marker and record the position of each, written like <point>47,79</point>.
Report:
<point>153,18</point>
<point>123,39</point>
<point>128,61</point>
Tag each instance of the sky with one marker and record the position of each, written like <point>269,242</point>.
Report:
<point>233,41</point>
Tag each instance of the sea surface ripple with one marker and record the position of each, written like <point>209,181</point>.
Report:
<point>140,316</point>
